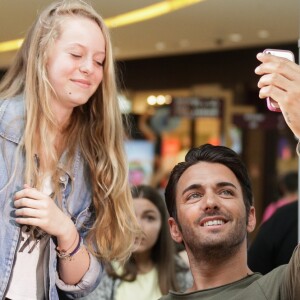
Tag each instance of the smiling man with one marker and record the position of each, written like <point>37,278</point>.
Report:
<point>210,202</point>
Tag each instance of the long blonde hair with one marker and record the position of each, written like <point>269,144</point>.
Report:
<point>95,127</point>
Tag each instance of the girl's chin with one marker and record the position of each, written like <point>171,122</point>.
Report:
<point>139,249</point>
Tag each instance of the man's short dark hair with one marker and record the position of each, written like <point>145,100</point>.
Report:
<point>288,183</point>
<point>211,154</point>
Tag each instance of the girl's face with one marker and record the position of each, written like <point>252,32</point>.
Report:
<point>149,219</point>
<point>75,64</point>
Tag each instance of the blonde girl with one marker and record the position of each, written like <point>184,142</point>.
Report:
<point>64,196</point>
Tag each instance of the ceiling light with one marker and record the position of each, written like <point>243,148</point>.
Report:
<point>235,37</point>
<point>160,99</point>
<point>138,15</point>
<point>168,99</point>
<point>10,45</point>
<point>160,46</point>
<point>149,12</point>
<point>151,100</point>
<point>263,34</point>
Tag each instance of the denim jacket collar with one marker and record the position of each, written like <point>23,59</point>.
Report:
<point>12,124</point>
<point>12,119</point>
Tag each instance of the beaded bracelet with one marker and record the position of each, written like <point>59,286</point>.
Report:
<point>63,254</point>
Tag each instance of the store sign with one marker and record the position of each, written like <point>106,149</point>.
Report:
<point>263,121</point>
<point>197,107</point>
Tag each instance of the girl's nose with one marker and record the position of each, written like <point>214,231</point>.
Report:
<point>86,66</point>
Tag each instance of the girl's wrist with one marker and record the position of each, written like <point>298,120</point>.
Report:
<point>74,249</point>
<point>68,236</point>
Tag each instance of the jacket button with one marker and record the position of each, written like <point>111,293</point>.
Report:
<point>63,179</point>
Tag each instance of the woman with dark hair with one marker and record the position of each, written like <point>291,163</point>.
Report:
<point>153,268</point>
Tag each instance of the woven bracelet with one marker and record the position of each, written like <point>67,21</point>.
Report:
<point>63,254</point>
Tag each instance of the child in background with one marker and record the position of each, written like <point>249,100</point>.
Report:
<point>153,268</point>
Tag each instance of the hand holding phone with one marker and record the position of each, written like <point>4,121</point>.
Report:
<point>272,104</point>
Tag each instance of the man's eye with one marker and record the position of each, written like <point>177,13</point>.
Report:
<point>194,196</point>
<point>227,192</point>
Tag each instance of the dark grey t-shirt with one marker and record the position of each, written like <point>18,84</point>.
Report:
<point>283,283</point>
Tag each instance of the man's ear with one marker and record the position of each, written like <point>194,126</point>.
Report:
<point>175,230</point>
<point>251,220</point>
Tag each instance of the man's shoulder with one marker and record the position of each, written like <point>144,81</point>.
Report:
<point>174,296</point>
<point>239,289</point>
<point>270,283</point>
<point>166,297</point>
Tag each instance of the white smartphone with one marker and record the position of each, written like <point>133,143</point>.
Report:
<point>272,104</point>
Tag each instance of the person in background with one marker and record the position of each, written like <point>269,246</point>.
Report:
<point>210,202</point>
<point>153,268</point>
<point>288,189</point>
<point>64,195</point>
<point>275,240</point>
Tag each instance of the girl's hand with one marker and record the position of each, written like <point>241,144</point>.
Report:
<point>37,209</point>
<point>280,80</point>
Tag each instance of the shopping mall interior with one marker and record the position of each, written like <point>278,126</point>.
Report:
<point>186,77</point>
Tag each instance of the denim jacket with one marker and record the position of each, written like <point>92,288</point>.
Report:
<point>76,203</point>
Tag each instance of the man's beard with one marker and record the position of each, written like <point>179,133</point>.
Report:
<point>212,249</point>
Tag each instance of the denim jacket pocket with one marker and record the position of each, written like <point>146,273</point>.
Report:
<point>84,220</point>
